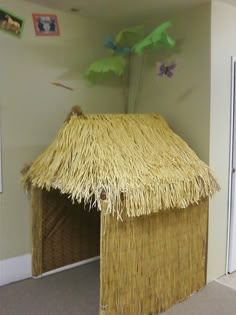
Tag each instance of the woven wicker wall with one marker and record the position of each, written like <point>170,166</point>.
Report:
<point>150,263</point>
<point>68,233</point>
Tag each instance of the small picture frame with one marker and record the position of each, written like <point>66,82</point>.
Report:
<point>10,23</point>
<point>45,24</point>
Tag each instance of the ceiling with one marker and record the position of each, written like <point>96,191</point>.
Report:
<point>121,10</point>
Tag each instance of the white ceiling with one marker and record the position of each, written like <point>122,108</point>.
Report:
<point>121,10</point>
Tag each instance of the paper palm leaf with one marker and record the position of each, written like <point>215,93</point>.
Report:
<point>99,69</point>
<point>115,49</point>
<point>129,36</point>
<point>158,38</point>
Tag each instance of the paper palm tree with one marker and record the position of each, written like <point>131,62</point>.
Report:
<point>117,61</point>
<point>127,41</point>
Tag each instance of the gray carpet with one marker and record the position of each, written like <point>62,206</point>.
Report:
<point>75,292</point>
<point>215,299</point>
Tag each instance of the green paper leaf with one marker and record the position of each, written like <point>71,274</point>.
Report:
<point>157,39</point>
<point>128,37</point>
<point>99,69</point>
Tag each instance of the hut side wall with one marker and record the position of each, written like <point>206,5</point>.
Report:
<point>63,233</point>
<point>150,263</point>
<point>36,225</point>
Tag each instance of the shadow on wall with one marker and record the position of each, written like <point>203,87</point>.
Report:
<point>62,55</point>
<point>186,94</point>
<point>77,74</point>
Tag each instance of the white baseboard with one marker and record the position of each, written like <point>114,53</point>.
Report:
<point>15,269</point>
<point>19,268</point>
<point>233,287</point>
<point>80,263</point>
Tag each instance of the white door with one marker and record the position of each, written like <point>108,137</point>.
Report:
<point>232,182</point>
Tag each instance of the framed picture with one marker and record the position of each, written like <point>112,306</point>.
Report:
<point>10,23</point>
<point>45,24</point>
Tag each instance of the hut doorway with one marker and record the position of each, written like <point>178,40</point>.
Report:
<point>63,234</point>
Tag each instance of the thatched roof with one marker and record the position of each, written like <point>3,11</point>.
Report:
<point>136,161</point>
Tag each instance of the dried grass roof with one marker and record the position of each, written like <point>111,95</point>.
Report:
<point>136,161</point>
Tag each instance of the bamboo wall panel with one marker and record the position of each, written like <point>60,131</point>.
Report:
<point>36,224</point>
<point>152,262</point>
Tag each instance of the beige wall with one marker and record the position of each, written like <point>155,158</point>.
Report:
<point>32,110</point>
<point>196,103</point>
<point>223,47</point>
<point>183,100</point>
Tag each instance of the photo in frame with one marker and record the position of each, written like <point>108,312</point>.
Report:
<point>45,24</point>
<point>11,23</point>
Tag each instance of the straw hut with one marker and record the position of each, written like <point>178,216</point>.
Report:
<point>127,188</point>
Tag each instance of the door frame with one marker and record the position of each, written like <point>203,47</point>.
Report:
<point>231,237</point>
<point>1,120</point>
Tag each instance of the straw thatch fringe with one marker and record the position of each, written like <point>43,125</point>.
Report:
<point>135,160</point>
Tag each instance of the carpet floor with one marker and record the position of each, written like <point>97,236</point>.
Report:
<point>75,292</point>
<point>72,292</point>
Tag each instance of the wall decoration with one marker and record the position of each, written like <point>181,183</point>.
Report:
<point>101,68</point>
<point>157,39</point>
<point>166,70</point>
<point>119,49</point>
<point>10,23</point>
<point>115,48</point>
<point>45,24</point>
<point>62,86</point>
<point>126,43</point>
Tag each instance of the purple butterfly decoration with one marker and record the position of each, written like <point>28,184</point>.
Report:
<point>167,70</point>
